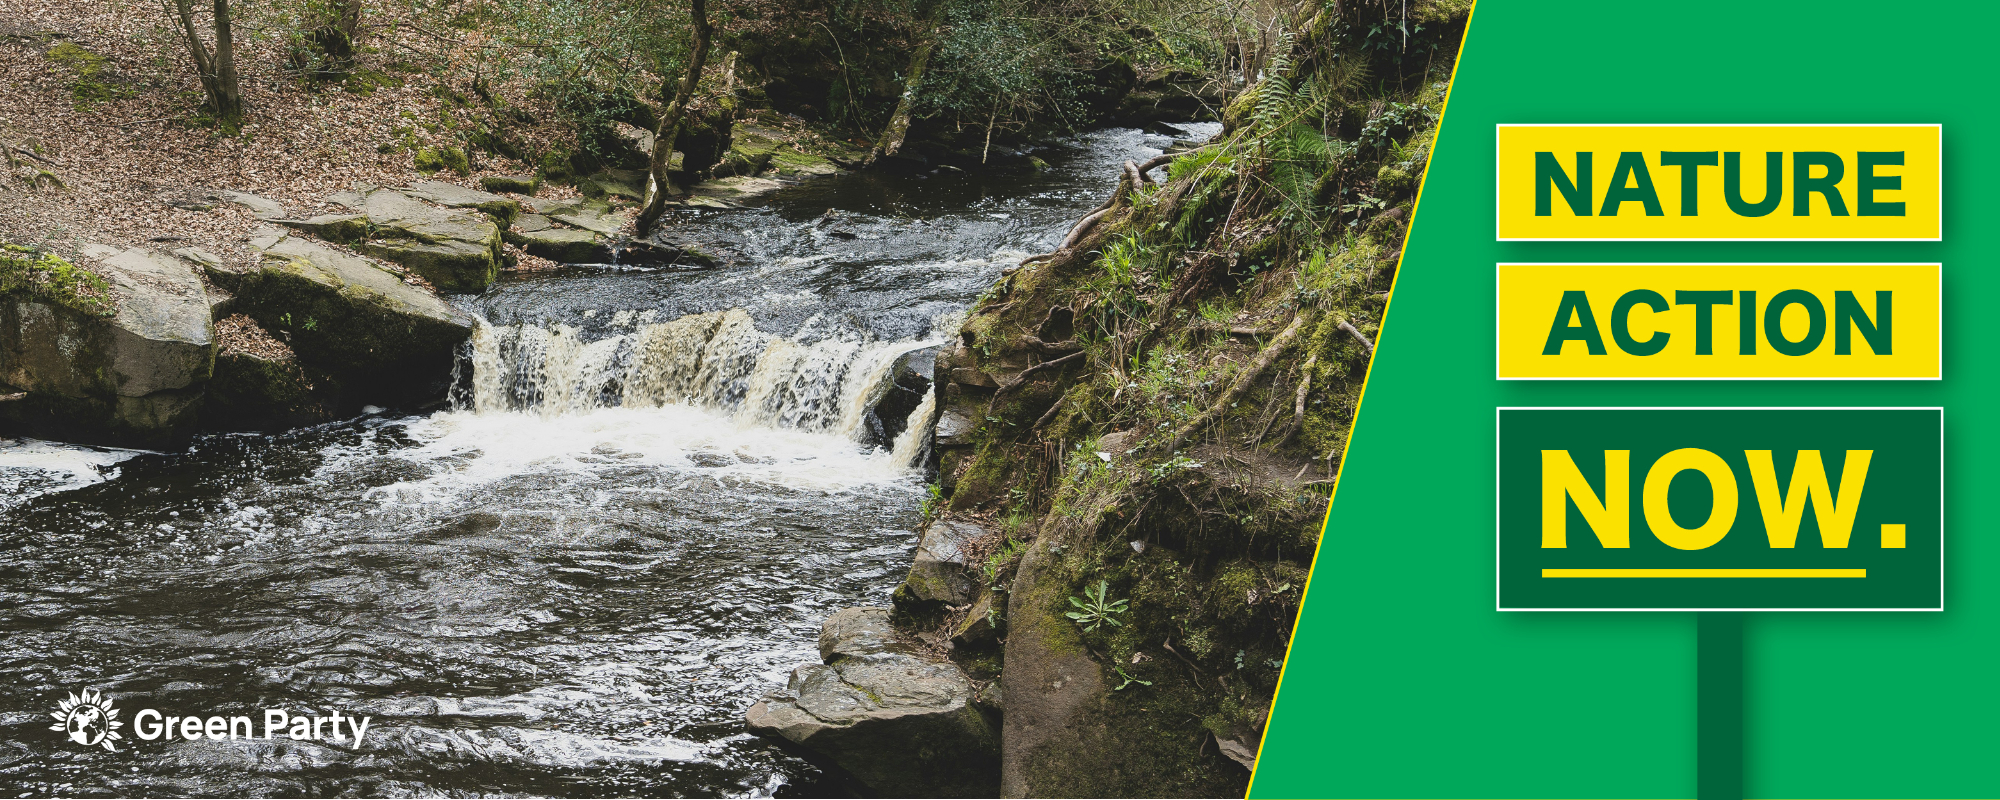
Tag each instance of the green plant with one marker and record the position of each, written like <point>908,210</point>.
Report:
<point>933,501</point>
<point>1099,610</point>
<point>53,278</point>
<point>1129,680</point>
<point>997,561</point>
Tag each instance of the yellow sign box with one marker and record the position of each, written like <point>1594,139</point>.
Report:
<point>1720,182</point>
<point>1719,321</point>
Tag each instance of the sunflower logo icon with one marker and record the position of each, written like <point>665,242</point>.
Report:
<point>89,720</point>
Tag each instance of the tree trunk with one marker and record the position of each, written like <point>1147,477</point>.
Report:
<point>670,123</point>
<point>216,68</point>
<point>227,96</point>
<point>891,140</point>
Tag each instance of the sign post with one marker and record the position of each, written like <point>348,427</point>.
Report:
<point>1720,511</point>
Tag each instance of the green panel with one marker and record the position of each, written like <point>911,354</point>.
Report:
<point>1898,486</point>
<point>1405,682</point>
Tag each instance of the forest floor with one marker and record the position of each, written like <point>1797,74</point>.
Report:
<point>106,142</point>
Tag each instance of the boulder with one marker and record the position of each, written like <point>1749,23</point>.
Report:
<point>591,215</point>
<point>381,340</point>
<point>901,725</point>
<point>331,227</point>
<point>515,184</point>
<point>128,374</point>
<point>982,622</point>
<point>503,210</point>
<point>1050,684</point>
<point>456,250</point>
<point>736,189</point>
<point>260,207</point>
<point>626,183</point>
<point>942,571</point>
<point>259,384</point>
<point>859,632</point>
<point>566,245</point>
<point>910,382</point>
<point>954,429</point>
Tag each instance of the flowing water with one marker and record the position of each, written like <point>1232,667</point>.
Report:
<point>649,489</point>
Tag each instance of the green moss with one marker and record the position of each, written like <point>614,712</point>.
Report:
<point>434,159</point>
<point>365,82</point>
<point>92,70</point>
<point>50,277</point>
<point>516,184</point>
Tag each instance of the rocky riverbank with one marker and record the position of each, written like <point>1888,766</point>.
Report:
<point>1137,434</point>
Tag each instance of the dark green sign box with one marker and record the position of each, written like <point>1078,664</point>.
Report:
<point>1742,571</point>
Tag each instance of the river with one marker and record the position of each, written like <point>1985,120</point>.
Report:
<point>650,488</point>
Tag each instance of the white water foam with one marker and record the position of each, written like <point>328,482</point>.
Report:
<point>468,449</point>
<point>717,362</point>
<point>30,468</point>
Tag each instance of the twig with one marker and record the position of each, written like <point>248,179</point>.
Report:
<point>1244,380</point>
<point>37,156</point>
<point>1023,377</point>
<point>1345,326</point>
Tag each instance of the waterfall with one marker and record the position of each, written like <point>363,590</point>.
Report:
<point>717,361</point>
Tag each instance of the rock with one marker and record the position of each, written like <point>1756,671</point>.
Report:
<point>637,141</point>
<point>902,726</point>
<point>200,258</point>
<point>1070,731</point>
<point>132,378</point>
<point>592,215</point>
<point>942,572</point>
<point>749,152</point>
<point>264,390</point>
<point>954,429</point>
<point>355,199</point>
<point>857,632</point>
<point>991,696</point>
<point>890,414</point>
<point>1049,681</point>
<point>515,184</point>
<point>456,250</point>
<point>503,210</point>
<point>381,340</point>
<point>1238,752</point>
<point>736,189</point>
<point>980,626</point>
<point>434,159</point>
<point>626,183</point>
<point>566,245</point>
<point>532,222</point>
<point>331,227</point>
<point>972,376</point>
<point>260,207</point>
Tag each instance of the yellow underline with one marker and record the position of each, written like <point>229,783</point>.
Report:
<point>1704,573</point>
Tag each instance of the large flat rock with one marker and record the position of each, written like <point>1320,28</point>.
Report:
<point>454,249</point>
<point>503,210</point>
<point>383,340</point>
<point>130,378</point>
<point>902,725</point>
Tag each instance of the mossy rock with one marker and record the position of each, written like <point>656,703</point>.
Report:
<point>95,82</point>
<point>251,393</point>
<point>131,377</point>
<point>436,159</point>
<point>52,278</point>
<point>565,245</point>
<point>454,249</point>
<point>513,184</point>
<point>382,340</point>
